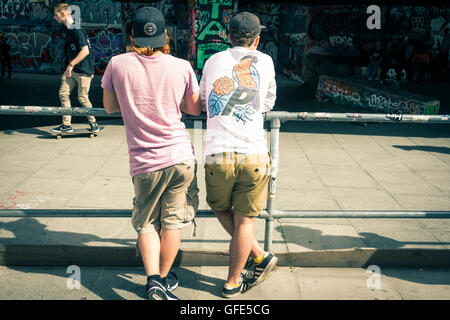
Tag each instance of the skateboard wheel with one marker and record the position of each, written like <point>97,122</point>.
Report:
<point>91,135</point>
<point>58,137</point>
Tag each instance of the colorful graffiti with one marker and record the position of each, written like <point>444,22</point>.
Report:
<point>30,48</point>
<point>99,11</point>
<point>15,9</point>
<point>208,34</point>
<point>104,44</point>
<point>347,92</point>
<point>339,92</point>
<point>304,41</point>
<point>336,40</point>
<point>40,10</point>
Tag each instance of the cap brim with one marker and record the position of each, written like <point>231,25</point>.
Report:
<point>153,42</point>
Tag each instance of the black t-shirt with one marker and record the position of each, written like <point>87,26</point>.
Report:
<point>4,49</point>
<point>75,40</point>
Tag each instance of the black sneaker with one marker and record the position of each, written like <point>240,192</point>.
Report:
<point>230,292</point>
<point>156,291</point>
<point>171,281</point>
<point>94,127</point>
<point>257,273</point>
<point>63,128</point>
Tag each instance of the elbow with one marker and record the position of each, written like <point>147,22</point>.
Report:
<point>108,110</point>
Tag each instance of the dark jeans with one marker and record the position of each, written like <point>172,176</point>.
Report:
<point>6,62</point>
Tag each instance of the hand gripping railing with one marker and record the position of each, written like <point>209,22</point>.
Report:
<point>275,118</point>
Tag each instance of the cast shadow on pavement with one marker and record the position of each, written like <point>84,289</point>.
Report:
<point>444,150</point>
<point>315,240</point>
<point>31,231</point>
<point>105,282</point>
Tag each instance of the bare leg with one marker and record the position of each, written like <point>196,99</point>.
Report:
<point>226,220</point>
<point>240,246</point>
<point>149,246</point>
<point>170,243</point>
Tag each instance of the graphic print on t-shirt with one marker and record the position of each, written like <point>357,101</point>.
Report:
<point>239,94</point>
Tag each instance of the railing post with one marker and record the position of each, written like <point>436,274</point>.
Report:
<point>274,153</point>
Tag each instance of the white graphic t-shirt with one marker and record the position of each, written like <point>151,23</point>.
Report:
<point>237,87</point>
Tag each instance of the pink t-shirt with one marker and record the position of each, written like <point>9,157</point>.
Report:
<point>149,91</point>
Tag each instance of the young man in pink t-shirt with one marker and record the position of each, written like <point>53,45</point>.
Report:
<point>151,88</point>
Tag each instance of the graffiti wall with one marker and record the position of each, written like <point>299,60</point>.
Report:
<point>105,43</point>
<point>99,11</point>
<point>207,21</point>
<point>37,41</point>
<point>335,39</point>
<point>355,93</point>
<point>31,48</point>
<point>293,37</point>
<point>304,41</point>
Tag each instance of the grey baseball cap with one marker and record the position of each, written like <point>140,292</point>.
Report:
<point>245,25</point>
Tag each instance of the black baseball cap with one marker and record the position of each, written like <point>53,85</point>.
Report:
<point>149,28</point>
<point>245,25</point>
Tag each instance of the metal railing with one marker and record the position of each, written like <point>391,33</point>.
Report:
<point>270,213</point>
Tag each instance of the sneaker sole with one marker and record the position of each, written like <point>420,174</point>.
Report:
<point>173,288</point>
<point>231,295</point>
<point>270,266</point>
<point>156,294</point>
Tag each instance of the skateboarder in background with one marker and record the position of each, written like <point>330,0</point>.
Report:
<point>151,88</point>
<point>237,87</point>
<point>80,70</point>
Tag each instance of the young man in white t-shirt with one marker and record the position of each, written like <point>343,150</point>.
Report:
<point>237,87</point>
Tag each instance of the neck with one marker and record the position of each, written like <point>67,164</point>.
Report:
<point>69,22</point>
<point>249,48</point>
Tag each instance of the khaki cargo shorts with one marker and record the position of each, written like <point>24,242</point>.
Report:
<point>165,199</point>
<point>237,180</point>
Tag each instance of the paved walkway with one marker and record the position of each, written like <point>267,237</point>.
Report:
<point>323,166</point>
<point>348,167</point>
<point>206,283</point>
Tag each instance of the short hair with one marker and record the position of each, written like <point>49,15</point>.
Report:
<point>62,7</point>
<point>242,42</point>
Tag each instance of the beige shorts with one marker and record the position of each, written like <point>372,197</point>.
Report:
<point>236,180</point>
<point>165,199</point>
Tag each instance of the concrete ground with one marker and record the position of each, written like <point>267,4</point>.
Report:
<point>323,166</point>
<point>206,283</point>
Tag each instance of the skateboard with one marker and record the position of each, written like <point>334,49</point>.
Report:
<point>86,131</point>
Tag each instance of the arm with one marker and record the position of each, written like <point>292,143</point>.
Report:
<point>271,96</point>
<point>110,102</point>
<point>191,104</point>
<point>203,91</point>
<point>84,52</point>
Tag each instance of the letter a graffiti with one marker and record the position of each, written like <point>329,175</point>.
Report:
<point>374,21</point>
